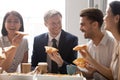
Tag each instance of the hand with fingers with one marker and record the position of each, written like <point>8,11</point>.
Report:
<point>56,58</point>
<point>54,55</point>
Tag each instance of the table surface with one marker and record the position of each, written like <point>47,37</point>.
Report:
<point>11,76</point>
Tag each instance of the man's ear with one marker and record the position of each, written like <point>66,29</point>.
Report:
<point>95,24</point>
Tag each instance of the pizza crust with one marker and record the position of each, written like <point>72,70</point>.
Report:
<point>23,33</point>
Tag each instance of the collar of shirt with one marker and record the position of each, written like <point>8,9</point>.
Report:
<point>6,41</point>
<point>5,38</point>
<point>104,39</point>
<point>57,38</point>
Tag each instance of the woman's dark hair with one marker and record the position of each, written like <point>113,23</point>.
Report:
<point>15,13</point>
<point>115,8</point>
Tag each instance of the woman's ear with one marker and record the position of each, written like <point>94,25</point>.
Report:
<point>117,18</point>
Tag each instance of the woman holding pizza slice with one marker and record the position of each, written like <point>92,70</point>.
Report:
<point>12,23</point>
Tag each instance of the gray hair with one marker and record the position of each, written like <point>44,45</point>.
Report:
<point>50,14</point>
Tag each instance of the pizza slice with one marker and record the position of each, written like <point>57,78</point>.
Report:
<point>5,51</point>
<point>80,62</point>
<point>23,33</point>
<point>80,47</point>
<point>50,49</point>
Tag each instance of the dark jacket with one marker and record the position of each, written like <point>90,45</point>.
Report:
<point>66,43</point>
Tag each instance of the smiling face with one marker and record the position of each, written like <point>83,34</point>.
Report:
<point>54,25</point>
<point>109,20</point>
<point>12,24</point>
<point>86,26</point>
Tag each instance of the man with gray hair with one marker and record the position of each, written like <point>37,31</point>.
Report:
<point>64,41</point>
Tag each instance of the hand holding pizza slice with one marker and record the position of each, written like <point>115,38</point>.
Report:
<point>80,61</point>
<point>54,55</point>
<point>87,58</point>
<point>82,49</point>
